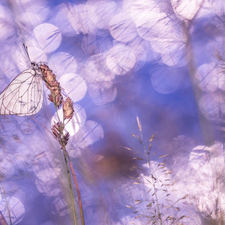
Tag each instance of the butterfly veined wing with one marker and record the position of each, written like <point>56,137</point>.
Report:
<point>24,95</point>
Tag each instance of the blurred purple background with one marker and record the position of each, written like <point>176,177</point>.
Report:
<point>161,61</point>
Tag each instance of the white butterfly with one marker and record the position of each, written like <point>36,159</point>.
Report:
<point>24,95</point>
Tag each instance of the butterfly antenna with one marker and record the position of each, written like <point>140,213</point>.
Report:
<point>26,50</point>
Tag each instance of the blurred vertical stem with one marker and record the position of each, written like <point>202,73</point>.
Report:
<point>204,123</point>
<point>71,190</point>
<point>78,190</point>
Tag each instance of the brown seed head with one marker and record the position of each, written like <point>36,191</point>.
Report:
<point>48,76</point>
<point>68,110</point>
<point>52,84</point>
<point>56,130</point>
<point>65,138</point>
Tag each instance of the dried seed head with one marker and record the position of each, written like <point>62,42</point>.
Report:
<point>56,97</point>
<point>65,138</point>
<point>68,110</point>
<point>57,133</point>
<point>56,130</point>
<point>50,98</point>
<point>48,76</point>
<point>52,84</point>
<point>58,100</point>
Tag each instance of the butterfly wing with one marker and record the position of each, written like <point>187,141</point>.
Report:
<point>24,95</point>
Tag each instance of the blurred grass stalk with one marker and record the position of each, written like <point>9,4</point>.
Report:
<point>147,154</point>
<point>159,212</point>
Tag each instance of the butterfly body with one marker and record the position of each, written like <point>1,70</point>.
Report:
<point>24,95</point>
